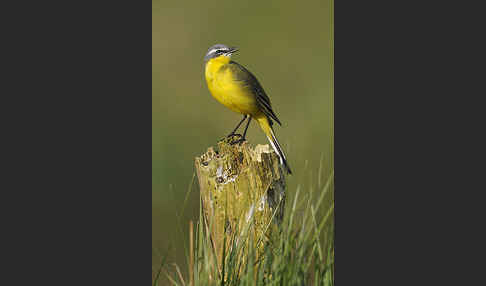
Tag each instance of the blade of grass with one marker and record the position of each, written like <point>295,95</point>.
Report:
<point>179,224</point>
<point>260,239</point>
<point>320,171</point>
<point>316,232</point>
<point>179,273</point>
<point>188,192</point>
<point>325,189</point>
<point>157,276</point>
<point>170,278</point>
<point>191,254</point>
<point>293,207</point>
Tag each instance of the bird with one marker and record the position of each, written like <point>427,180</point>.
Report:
<point>238,89</point>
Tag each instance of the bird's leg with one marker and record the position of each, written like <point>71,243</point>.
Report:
<point>237,126</point>
<point>244,133</point>
<point>246,128</point>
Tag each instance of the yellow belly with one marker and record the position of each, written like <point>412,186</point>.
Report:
<point>229,92</point>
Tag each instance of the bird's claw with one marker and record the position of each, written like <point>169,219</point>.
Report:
<point>238,141</point>
<point>233,135</point>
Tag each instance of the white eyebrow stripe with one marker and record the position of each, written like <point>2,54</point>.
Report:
<point>216,49</point>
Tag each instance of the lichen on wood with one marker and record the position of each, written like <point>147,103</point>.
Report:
<point>238,185</point>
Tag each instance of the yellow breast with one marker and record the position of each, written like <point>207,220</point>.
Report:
<point>225,89</point>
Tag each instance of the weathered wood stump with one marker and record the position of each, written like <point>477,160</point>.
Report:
<point>240,186</point>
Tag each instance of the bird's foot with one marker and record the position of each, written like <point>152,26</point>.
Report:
<point>233,135</point>
<point>238,141</point>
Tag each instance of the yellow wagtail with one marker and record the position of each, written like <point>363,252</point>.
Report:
<point>239,90</point>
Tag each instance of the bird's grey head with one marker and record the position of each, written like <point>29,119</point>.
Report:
<point>219,50</point>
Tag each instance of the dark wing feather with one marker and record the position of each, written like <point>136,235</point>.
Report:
<point>244,75</point>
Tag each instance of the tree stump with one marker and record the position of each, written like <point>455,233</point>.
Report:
<point>240,185</point>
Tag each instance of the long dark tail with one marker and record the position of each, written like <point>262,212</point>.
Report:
<point>267,128</point>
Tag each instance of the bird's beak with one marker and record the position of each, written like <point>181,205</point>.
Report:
<point>233,50</point>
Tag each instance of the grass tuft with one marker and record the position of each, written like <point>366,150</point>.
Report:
<point>302,253</point>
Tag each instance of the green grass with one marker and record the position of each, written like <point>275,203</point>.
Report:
<point>301,254</point>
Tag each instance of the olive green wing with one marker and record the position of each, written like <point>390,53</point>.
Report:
<point>244,75</point>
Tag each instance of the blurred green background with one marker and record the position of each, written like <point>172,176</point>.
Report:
<point>287,45</point>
